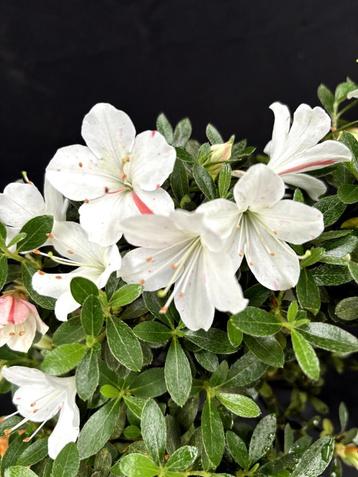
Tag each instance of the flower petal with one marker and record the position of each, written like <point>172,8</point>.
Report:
<point>152,231</point>
<point>65,304</point>
<point>194,303</point>
<point>22,336</point>
<point>19,203</point>
<point>274,264</point>
<point>224,289</point>
<point>51,284</point>
<point>259,187</point>
<point>157,201</point>
<point>108,132</point>
<point>293,222</point>
<point>152,160</point>
<point>221,215</point>
<point>313,186</point>
<point>67,427</point>
<point>79,175</point>
<point>280,131</point>
<point>22,376</point>
<point>56,204</point>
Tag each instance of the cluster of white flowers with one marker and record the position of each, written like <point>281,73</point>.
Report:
<point>190,257</point>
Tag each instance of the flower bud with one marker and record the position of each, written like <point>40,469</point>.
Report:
<point>19,321</point>
<point>348,453</point>
<point>220,153</point>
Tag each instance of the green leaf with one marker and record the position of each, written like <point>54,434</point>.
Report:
<point>331,207</point>
<point>239,404</point>
<point>245,371</point>
<point>98,429</point>
<point>348,193</point>
<point>326,97</point>
<point>81,288</point>
<point>305,355</point>
<point>213,340</point>
<point>125,295</point>
<point>135,405</point>
<point>237,449</point>
<point>315,459</point>
<point>124,345</point>
<point>315,255</point>
<point>36,230</point>
<point>343,89</point>
<point>353,270</point>
<point>182,459</point>
<point>92,315</point>
<point>343,416</point>
<point>347,309</point>
<point>351,142</point>
<point>152,332</point>
<point>19,471</point>
<point>67,462</point>
<point>308,294</point>
<point>262,438</point>
<point>154,305</point>
<point>63,358</point>
<point>70,331</point>
<point>256,322</point>
<point>224,180</point>
<point>44,301</point>
<point>204,181</point>
<point>330,337</point>
<point>34,453</point>
<point>212,432</point>
<point>149,384</point>
<point>331,275</point>
<point>234,333</point>
<point>267,349</point>
<point>87,374</point>
<point>213,135</point>
<point>182,133</point>
<point>135,465</point>
<point>154,430</point>
<point>3,271</point>
<point>207,360</point>
<point>165,128</point>
<point>177,373</point>
<point>179,180</point>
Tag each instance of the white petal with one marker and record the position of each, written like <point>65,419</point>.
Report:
<point>152,231</point>
<point>108,132</point>
<point>112,263</point>
<point>65,304</point>
<point>22,376</point>
<point>79,175</point>
<point>293,222</point>
<point>194,303</point>
<point>224,289</point>
<point>23,336</point>
<point>274,264</point>
<point>19,203</point>
<point>67,427</point>
<point>157,201</point>
<point>313,186</point>
<point>259,187</point>
<point>280,130</point>
<point>152,268</point>
<point>56,204</point>
<point>51,284</point>
<point>321,155</point>
<point>152,160</point>
<point>352,94</point>
<point>220,215</point>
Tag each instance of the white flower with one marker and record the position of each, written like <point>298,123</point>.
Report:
<point>91,260</point>
<point>260,223</point>
<point>19,321</point>
<point>180,250</point>
<point>22,201</point>
<point>294,150</point>
<point>39,398</point>
<point>118,175</point>
<point>353,94</point>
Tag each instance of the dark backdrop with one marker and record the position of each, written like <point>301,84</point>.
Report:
<point>219,61</point>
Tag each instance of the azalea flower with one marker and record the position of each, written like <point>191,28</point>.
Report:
<point>180,250</point>
<point>19,321</point>
<point>22,201</point>
<point>41,397</point>
<point>260,223</point>
<point>91,260</point>
<point>117,175</point>
<point>295,150</point>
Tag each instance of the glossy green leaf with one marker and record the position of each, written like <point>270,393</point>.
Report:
<point>308,294</point>
<point>44,301</point>
<point>182,459</point>
<point>36,230</point>
<point>87,374</point>
<point>125,295</point>
<point>19,471</point>
<point>177,373</point>
<point>239,404</point>
<point>34,453</point>
<point>67,462</point>
<point>124,345</point>
<point>237,449</point>
<point>81,288</point>
<point>262,438</point>
<point>135,465</point>
<point>154,431</point>
<point>152,332</point>
<point>330,337</point>
<point>165,128</point>
<point>332,209</point>
<point>63,358</point>
<point>256,322</point>
<point>347,309</point>
<point>305,355</point>
<point>213,340</point>
<point>3,271</point>
<point>315,459</point>
<point>212,432</point>
<point>92,315</point>
<point>204,181</point>
<point>267,349</point>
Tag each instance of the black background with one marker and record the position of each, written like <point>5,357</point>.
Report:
<point>219,61</point>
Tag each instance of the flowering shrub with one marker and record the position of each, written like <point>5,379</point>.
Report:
<point>171,308</point>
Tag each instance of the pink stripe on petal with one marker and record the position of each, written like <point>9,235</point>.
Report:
<point>301,167</point>
<point>141,206</point>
